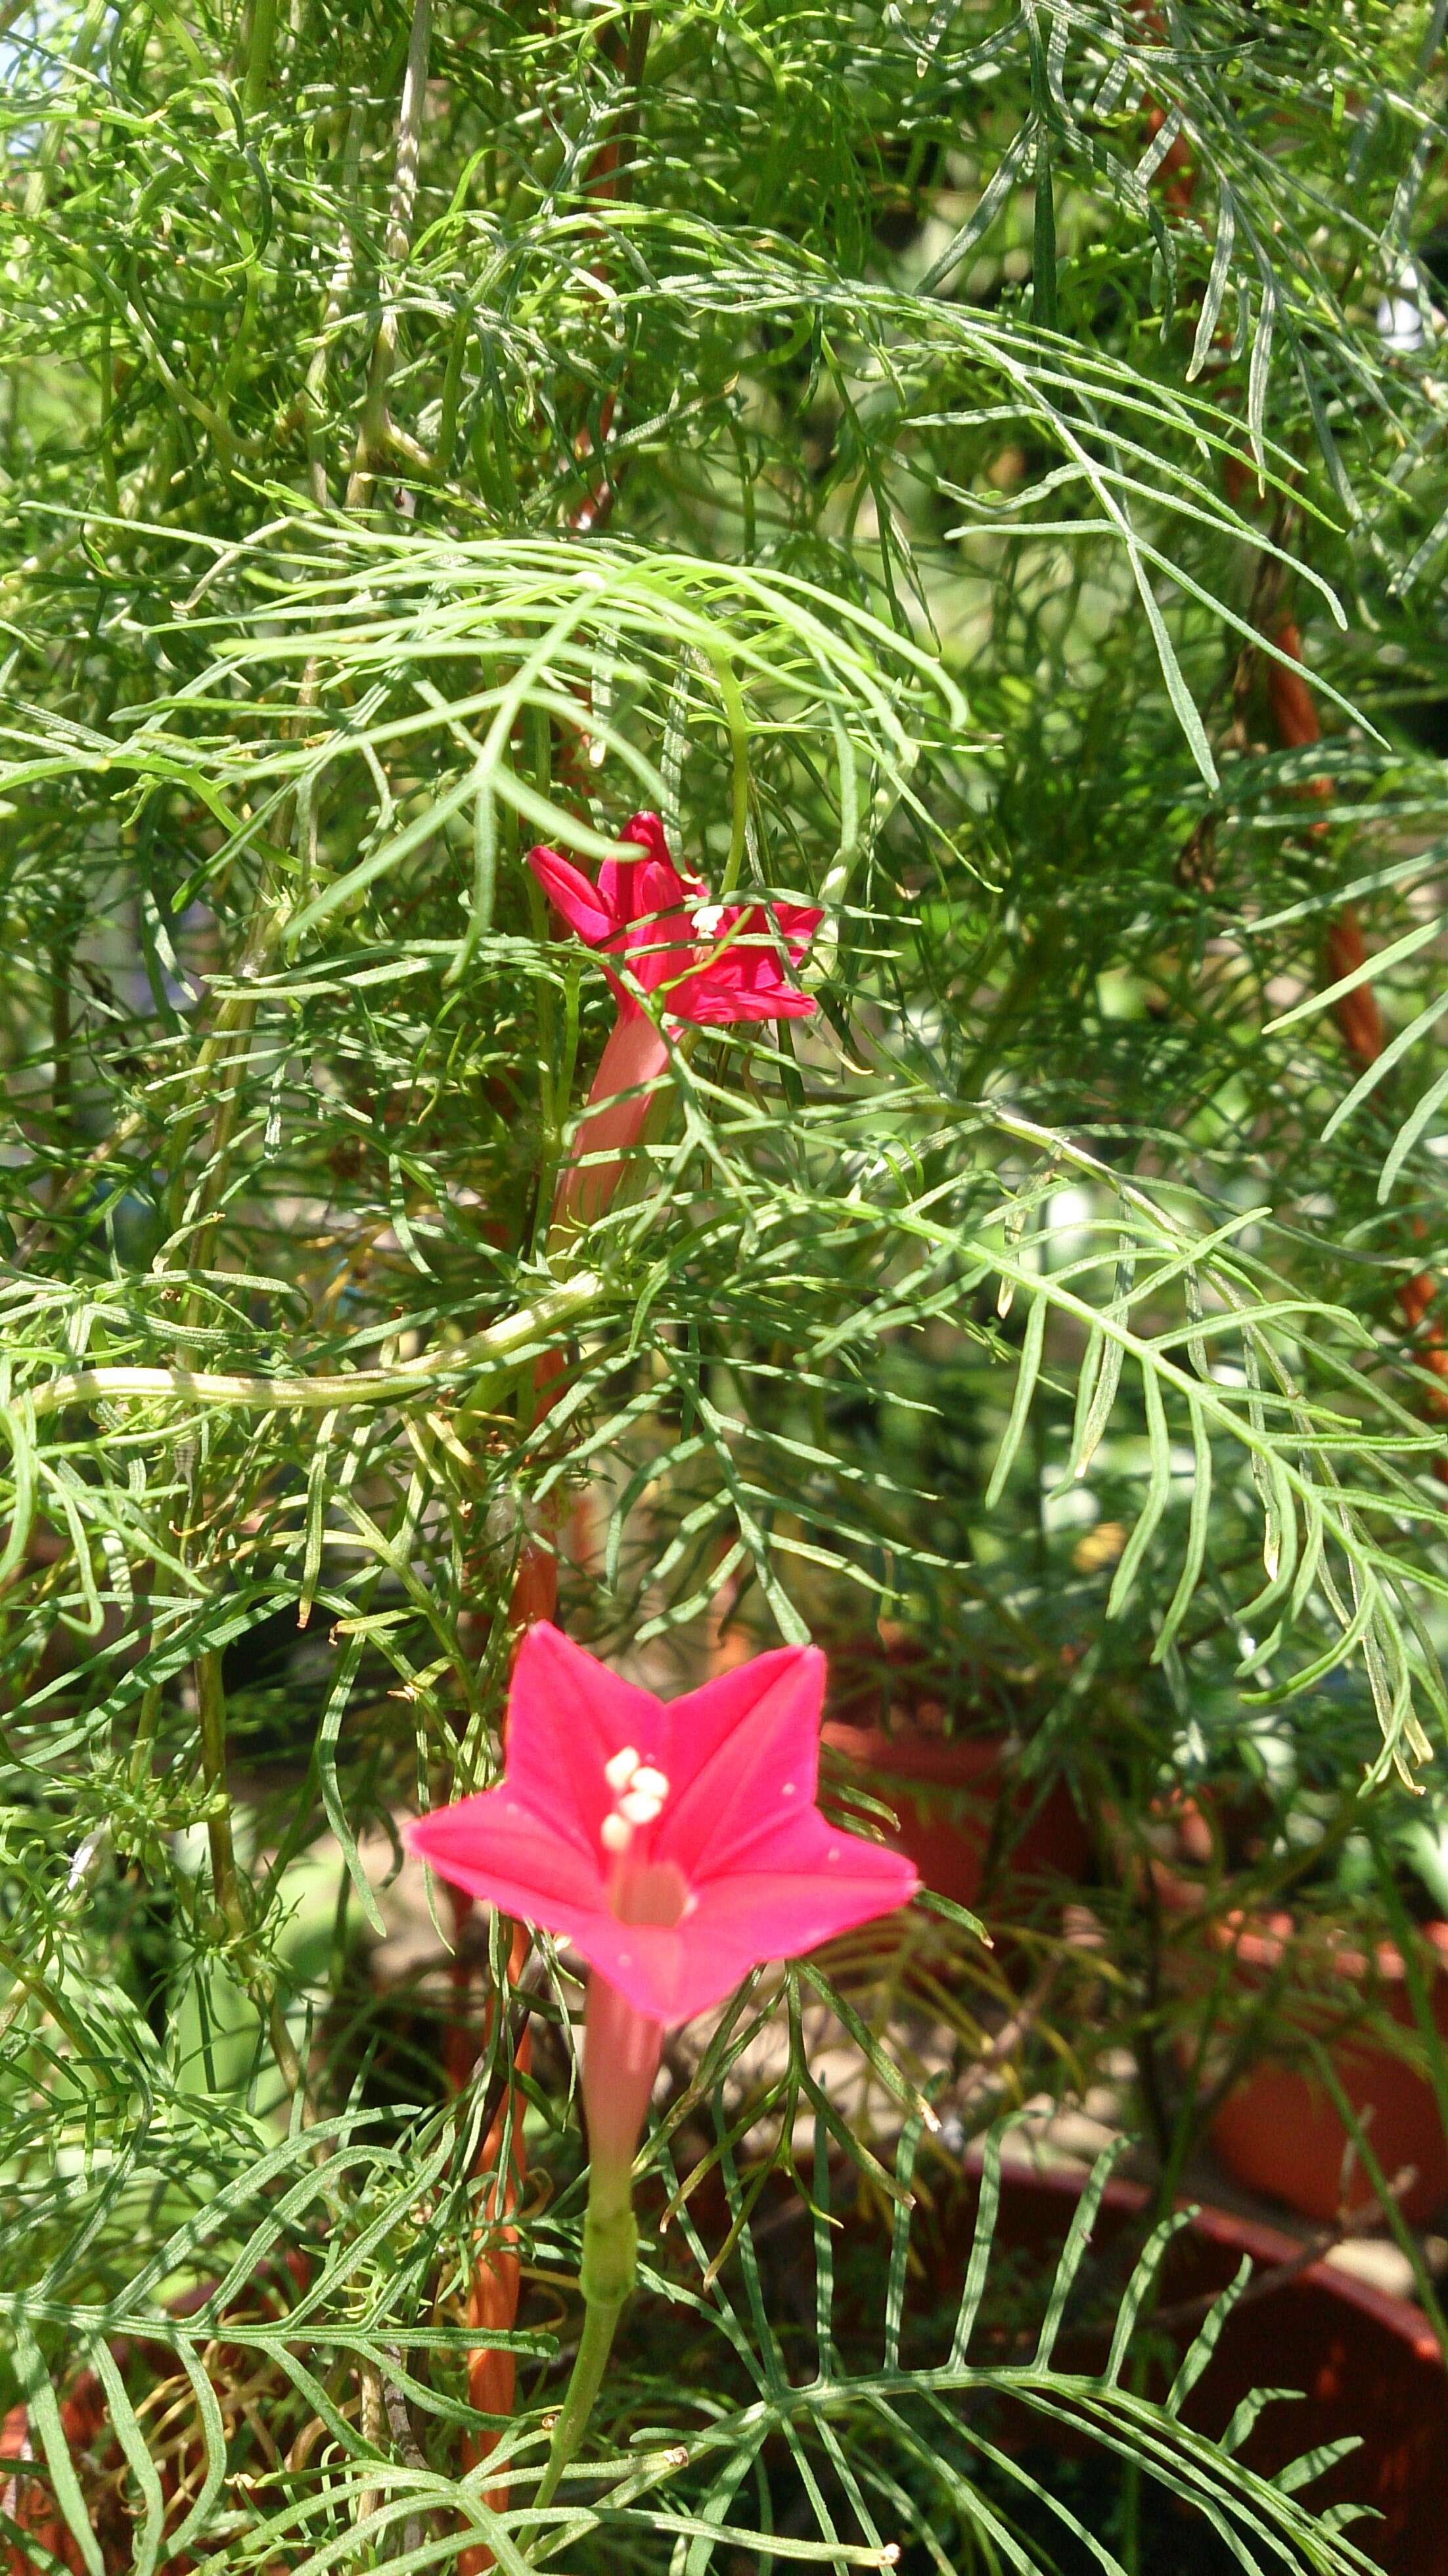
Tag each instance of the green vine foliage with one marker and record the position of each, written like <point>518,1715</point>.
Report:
<point>890,441</point>
<point>848,2441</point>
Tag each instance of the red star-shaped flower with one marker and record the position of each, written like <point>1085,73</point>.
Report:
<point>675,1845</point>
<point>712,963</point>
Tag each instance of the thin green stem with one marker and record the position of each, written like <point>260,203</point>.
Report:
<point>1131,2484</point>
<point>221,1065</point>
<point>591,2360</point>
<point>339,288</point>
<point>1402,2234</point>
<point>211,1713</point>
<point>259,44</point>
<point>482,1356</point>
<point>109,480</point>
<point>451,386</point>
<point>606,2277</point>
<point>225,1876</point>
<point>62,1033</point>
<point>377,432</point>
<point>145,1735</point>
<point>493,1348</point>
<point>737,721</point>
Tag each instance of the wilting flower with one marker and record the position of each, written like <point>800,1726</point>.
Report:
<point>709,963</point>
<point>676,1845</point>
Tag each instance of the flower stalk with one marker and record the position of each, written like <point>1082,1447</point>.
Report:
<point>675,1847</point>
<point>621,2052</point>
<point>718,964</point>
<point>610,2244</point>
<point>710,965</point>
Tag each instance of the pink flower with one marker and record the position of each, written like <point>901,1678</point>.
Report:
<point>676,1846</point>
<point>712,963</point>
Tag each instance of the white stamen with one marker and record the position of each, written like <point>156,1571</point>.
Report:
<point>709,919</point>
<point>639,1792</point>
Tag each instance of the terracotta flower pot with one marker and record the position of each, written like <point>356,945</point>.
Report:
<point>1280,2132</point>
<point>945,1791</point>
<point>1368,2365</point>
<point>25,2488</point>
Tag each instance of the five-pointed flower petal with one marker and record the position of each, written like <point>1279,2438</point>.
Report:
<point>710,963</point>
<point>676,1845</point>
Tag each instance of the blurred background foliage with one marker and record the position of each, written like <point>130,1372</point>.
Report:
<point>919,449</point>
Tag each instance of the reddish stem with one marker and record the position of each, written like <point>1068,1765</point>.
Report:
<point>497,2275</point>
